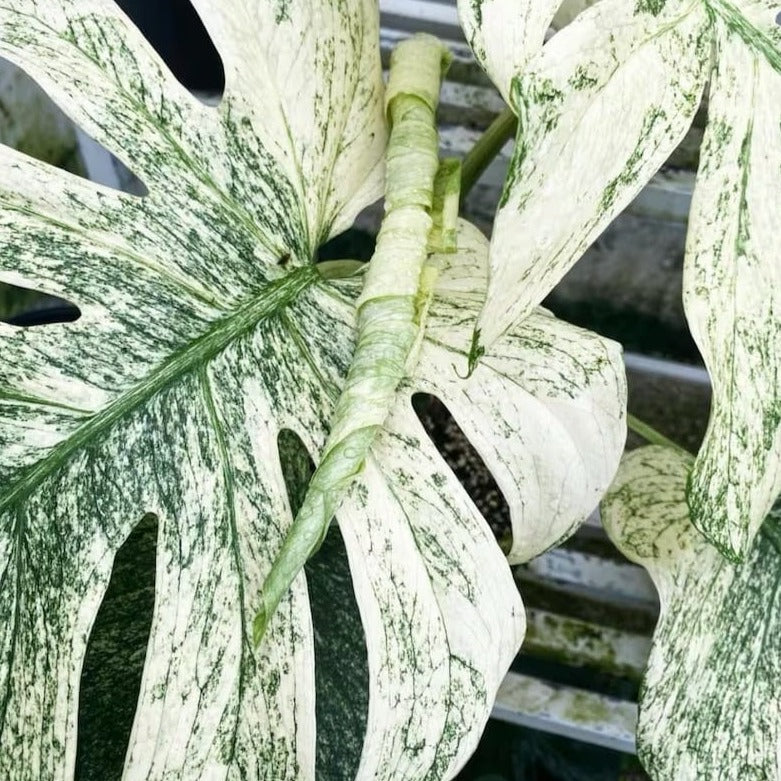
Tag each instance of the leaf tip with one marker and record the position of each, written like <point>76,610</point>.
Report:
<point>476,352</point>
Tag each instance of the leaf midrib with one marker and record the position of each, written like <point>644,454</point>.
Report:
<point>276,296</point>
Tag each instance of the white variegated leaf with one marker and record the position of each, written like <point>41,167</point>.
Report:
<point>732,278</point>
<point>600,108</point>
<point>554,394</point>
<point>285,154</point>
<point>505,34</point>
<point>204,333</point>
<point>710,703</point>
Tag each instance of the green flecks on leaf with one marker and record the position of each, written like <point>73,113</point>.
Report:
<point>546,91</point>
<point>708,703</point>
<point>653,118</point>
<point>444,209</point>
<point>200,352</point>
<point>653,7</point>
<point>581,79</point>
<point>730,296</point>
<point>752,24</point>
<point>476,352</point>
<point>477,10</point>
<point>581,109</point>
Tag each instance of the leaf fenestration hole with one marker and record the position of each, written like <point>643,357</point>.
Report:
<point>778,18</point>
<point>465,463</point>
<point>114,662</point>
<point>31,123</point>
<point>24,308</point>
<point>176,32</point>
<point>354,243</point>
<point>341,662</point>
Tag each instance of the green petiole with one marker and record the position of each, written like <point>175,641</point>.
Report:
<point>479,157</point>
<point>393,304</point>
<point>650,434</point>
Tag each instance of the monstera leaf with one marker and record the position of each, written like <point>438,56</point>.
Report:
<point>600,108</point>
<point>205,332</point>
<point>709,704</point>
<point>732,278</point>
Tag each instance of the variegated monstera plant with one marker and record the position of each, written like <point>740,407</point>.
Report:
<point>207,331</point>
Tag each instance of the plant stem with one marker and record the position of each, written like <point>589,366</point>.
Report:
<point>650,434</point>
<point>499,132</point>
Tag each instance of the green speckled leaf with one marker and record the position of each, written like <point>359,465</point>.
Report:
<point>544,407</point>
<point>601,106</point>
<point>285,155</point>
<point>710,704</point>
<point>505,34</point>
<point>732,279</point>
<point>205,332</point>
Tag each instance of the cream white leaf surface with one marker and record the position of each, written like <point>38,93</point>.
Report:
<point>732,279</point>
<point>505,34</point>
<point>287,151</point>
<point>600,108</point>
<point>554,394</point>
<point>205,332</point>
<point>710,700</point>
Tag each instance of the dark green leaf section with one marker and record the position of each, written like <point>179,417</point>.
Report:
<point>709,705</point>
